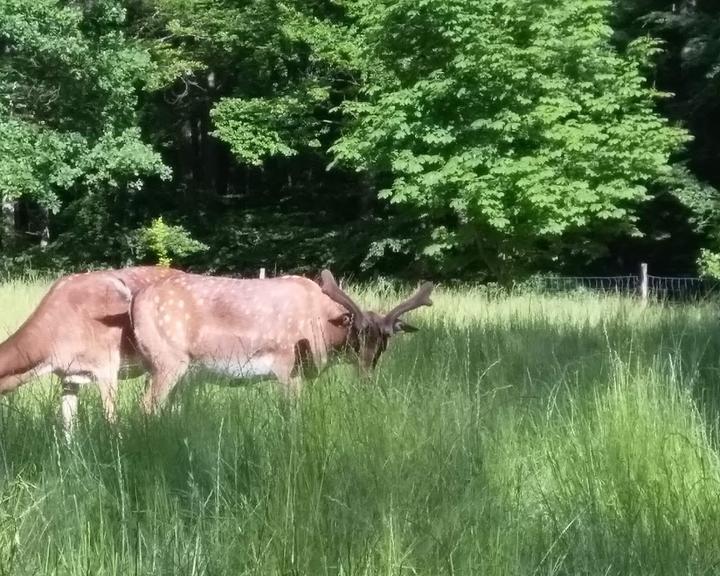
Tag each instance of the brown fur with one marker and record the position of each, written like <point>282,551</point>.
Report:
<point>286,327</point>
<point>80,332</point>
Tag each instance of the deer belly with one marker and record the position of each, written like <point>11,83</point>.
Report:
<point>241,367</point>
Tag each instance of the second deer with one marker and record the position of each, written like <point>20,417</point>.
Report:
<point>80,331</point>
<point>285,327</point>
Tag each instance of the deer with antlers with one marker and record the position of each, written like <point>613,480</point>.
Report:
<point>287,327</point>
<point>80,332</point>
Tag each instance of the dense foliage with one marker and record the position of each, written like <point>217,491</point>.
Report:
<point>70,139</point>
<point>507,139</point>
<point>458,138</point>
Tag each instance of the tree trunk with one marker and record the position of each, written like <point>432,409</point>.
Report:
<point>186,162</point>
<point>8,225</point>
<point>223,171</point>
<point>209,149</point>
<point>195,143</point>
<point>368,193</point>
<point>44,226</point>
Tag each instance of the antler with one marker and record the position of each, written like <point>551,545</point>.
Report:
<point>333,291</point>
<point>420,298</point>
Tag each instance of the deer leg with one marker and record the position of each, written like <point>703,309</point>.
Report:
<point>10,383</point>
<point>69,407</point>
<point>289,374</point>
<point>108,395</point>
<point>162,381</point>
<point>294,386</point>
<point>290,385</point>
<point>106,377</point>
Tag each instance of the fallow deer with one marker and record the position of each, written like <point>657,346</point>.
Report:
<point>80,332</point>
<point>284,327</point>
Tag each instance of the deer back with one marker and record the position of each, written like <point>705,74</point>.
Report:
<point>213,319</point>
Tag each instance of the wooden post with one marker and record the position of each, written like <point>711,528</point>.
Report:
<point>644,281</point>
<point>262,273</point>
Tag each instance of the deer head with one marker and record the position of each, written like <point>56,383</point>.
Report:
<point>368,332</point>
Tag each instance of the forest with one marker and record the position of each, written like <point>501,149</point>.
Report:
<point>461,139</point>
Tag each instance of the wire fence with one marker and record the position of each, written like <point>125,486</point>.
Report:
<point>643,285</point>
<point>649,286</point>
<point>619,284</point>
<point>682,288</point>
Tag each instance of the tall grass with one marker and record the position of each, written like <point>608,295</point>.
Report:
<point>518,435</point>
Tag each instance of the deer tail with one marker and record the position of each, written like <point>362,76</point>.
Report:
<point>122,288</point>
<point>125,292</point>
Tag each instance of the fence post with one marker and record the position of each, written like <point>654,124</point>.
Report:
<point>262,273</point>
<point>644,281</point>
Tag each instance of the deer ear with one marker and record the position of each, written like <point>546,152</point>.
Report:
<point>343,321</point>
<point>401,326</point>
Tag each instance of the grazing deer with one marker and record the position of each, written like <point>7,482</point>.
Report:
<point>285,327</point>
<point>80,332</point>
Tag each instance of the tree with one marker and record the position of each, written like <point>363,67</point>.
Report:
<point>68,125</point>
<point>507,126</point>
<point>243,110</point>
<point>689,68</point>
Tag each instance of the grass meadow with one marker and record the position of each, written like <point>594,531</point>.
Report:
<point>521,434</point>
